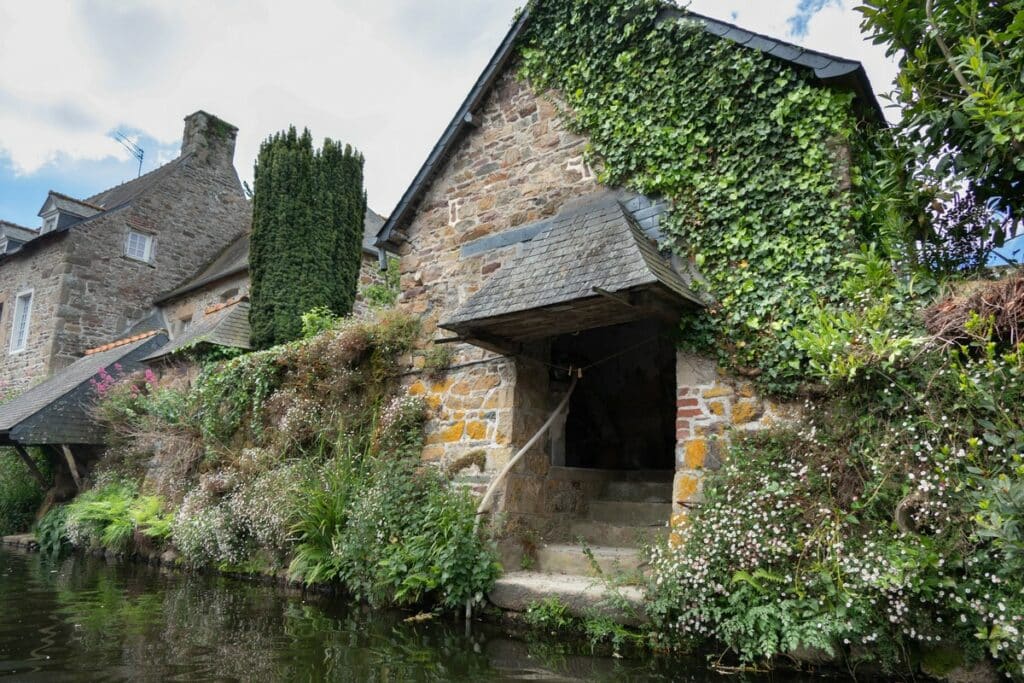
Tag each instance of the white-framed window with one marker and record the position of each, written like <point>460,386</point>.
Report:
<point>139,246</point>
<point>50,223</point>
<point>20,321</point>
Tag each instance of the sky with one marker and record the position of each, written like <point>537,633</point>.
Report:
<point>384,75</point>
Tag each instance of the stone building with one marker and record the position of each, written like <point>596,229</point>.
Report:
<point>225,281</point>
<point>538,279</point>
<point>94,266</point>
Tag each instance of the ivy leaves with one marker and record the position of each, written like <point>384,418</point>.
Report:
<point>749,149</point>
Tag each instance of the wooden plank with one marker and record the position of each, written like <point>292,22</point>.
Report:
<point>31,464</point>
<point>72,465</point>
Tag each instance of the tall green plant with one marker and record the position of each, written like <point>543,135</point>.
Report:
<point>308,212</point>
<point>20,493</point>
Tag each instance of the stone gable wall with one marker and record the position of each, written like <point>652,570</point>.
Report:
<point>192,214</point>
<point>41,271</point>
<point>521,165</point>
<point>194,304</point>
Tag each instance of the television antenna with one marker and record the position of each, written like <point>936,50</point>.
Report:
<point>132,148</point>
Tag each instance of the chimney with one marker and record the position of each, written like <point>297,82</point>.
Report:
<point>209,139</point>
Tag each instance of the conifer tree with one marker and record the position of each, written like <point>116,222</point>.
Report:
<point>308,212</point>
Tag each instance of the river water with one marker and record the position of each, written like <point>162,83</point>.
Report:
<point>83,619</point>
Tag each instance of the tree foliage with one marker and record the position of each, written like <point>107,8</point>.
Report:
<point>960,88</point>
<point>308,212</point>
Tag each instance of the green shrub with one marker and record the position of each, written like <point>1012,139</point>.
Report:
<point>318,320</point>
<point>109,516</point>
<point>52,532</point>
<point>389,531</point>
<point>20,493</point>
<point>381,295</point>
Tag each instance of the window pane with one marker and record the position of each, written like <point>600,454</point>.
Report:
<point>19,331</point>
<point>138,246</point>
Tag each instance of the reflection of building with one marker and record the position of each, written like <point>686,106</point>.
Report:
<point>93,267</point>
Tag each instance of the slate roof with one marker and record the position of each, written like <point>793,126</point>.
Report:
<point>830,69</point>
<point>17,232</point>
<point>593,245</point>
<point>228,326</point>
<point>125,192</point>
<point>69,388</point>
<point>235,258</point>
<point>67,204</point>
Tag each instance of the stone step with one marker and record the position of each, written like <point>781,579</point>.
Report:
<point>638,491</point>
<point>627,513</point>
<point>605,534</point>
<point>567,558</point>
<point>583,596</point>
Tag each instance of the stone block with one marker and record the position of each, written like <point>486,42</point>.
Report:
<point>476,430</point>
<point>695,452</point>
<point>694,370</point>
<point>718,391</point>
<point>685,487</point>
<point>747,411</point>
<point>453,433</point>
<point>717,408</point>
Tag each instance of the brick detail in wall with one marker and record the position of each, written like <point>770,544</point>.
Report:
<point>711,406</point>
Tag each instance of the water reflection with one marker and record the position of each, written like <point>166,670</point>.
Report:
<point>83,619</point>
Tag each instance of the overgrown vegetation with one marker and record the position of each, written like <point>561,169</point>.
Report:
<point>308,213</point>
<point>20,493</point>
<point>301,457</point>
<point>886,526</point>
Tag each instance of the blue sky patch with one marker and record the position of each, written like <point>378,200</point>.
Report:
<point>805,11</point>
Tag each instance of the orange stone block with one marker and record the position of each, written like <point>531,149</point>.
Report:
<point>453,433</point>
<point>476,430</point>
<point>686,487</point>
<point>417,389</point>
<point>717,408</point>
<point>718,391</point>
<point>434,402</point>
<point>746,411</point>
<point>696,452</point>
<point>461,389</point>
<point>486,382</point>
<point>747,391</point>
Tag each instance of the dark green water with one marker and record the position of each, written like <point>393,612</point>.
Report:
<point>82,619</point>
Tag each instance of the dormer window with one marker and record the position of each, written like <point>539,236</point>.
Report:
<point>50,223</point>
<point>139,246</point>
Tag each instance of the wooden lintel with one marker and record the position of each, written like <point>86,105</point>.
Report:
<point>618,298</point>
<point>31,464</point>
<point>450,340</point>
<point>72,465</point>
<point>494,344</point>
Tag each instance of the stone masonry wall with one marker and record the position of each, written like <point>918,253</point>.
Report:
<point>369,274</point>
<point>711,406</point>
<point>41,272</point>
<point>521,165</point>
<point>192,213</point>
<point>194,304</point>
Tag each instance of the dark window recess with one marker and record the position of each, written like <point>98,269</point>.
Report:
<point>229,294</point>
<point>623,412</point>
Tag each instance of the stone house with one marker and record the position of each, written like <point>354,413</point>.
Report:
<point>224,283</point>
<point>540,279</point>
<point>93,268</point>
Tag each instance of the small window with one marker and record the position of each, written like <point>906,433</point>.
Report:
<point>50,223</point>
<point>20,323</point>
<point>184,324</point>
<point>139,246</point>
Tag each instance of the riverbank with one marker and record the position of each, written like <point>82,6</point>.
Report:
<point>96,620</point>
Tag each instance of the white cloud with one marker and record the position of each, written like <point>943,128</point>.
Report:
<point>384,76</point>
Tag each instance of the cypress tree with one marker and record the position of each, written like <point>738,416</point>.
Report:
<point>308,212</point>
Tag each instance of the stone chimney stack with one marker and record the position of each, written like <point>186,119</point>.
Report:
<point>209,139</point>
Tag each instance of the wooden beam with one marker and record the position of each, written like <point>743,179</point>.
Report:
<point>31,464</point>
<point>69,456</point>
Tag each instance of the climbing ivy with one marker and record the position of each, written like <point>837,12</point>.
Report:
<point>754,155</point>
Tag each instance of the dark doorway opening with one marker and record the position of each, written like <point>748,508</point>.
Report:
<point>622,414</point>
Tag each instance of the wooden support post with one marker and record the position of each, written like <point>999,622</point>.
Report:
<point>31,464</point>
<point>69,456</point>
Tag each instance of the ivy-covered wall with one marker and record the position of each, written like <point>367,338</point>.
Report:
<point>754,153</point>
